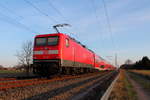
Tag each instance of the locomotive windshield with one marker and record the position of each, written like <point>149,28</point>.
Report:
<point>43,41</point>
<point>53,40</point>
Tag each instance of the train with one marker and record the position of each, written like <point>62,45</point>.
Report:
<point>59,53</point>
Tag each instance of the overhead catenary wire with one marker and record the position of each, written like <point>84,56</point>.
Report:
<point>108,22</point>
<point>107,18</point>
<point>97,17</point>
<point>58,11</point>
<point>10,11</point>
<point>16,23</point>
<point>40,11</point>
<point>64,17</point>
<point>95,11</point>
<point>110,28</point>
<point>45,14</point>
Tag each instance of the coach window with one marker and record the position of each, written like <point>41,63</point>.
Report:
<point>67,42</point>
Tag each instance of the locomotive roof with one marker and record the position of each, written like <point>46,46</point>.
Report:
<point>41,35</point>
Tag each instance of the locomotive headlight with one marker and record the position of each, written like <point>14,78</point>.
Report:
<point>52,51</point>
<point>38,52</point>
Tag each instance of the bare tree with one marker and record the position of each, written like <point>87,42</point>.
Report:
<point>25,55</point>
<point>128,61</point>
<point>1,67</point>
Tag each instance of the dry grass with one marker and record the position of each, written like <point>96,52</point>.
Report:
<point>142,72</point>
<point>142,78</point>
<point>123,90</point>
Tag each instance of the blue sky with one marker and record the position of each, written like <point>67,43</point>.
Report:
<point>130,21</point>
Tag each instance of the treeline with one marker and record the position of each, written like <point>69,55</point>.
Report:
<point>16,67</point>
<point>2,68</point>
<point>141,64</point>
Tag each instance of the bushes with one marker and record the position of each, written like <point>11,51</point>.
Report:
<point>142,64</point>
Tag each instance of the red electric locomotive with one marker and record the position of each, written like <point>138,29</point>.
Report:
<point>59,53</point>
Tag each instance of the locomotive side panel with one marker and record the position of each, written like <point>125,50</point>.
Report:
<point>97,62</point>
<point>75,55</point>
<point>67,53</point>
<point>83,57</point>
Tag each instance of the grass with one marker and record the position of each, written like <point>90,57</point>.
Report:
<point>142,80</point>
<point>123,89</point>
<point>8,71</point>
<point>142,72</point>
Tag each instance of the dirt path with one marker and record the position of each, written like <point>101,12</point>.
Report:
<point>141,93</point>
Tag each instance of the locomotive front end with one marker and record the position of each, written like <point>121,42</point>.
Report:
<point>46,54</point>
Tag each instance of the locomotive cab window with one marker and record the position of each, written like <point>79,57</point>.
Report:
<point>40,41</point>
<point>53,40</point>
<point>67,42</point>
<point>102,66</point>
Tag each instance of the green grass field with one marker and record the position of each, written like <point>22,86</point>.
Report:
<point>9,71</point>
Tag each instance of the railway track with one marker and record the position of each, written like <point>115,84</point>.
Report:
<point>8,83</point>
<point>95,90</point>
<point>91,89</point>
<point>60,88</point>
<point>7,79</point>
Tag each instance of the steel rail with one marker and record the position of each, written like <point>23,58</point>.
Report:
<point>23,83</point>
<point>108,91</point>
